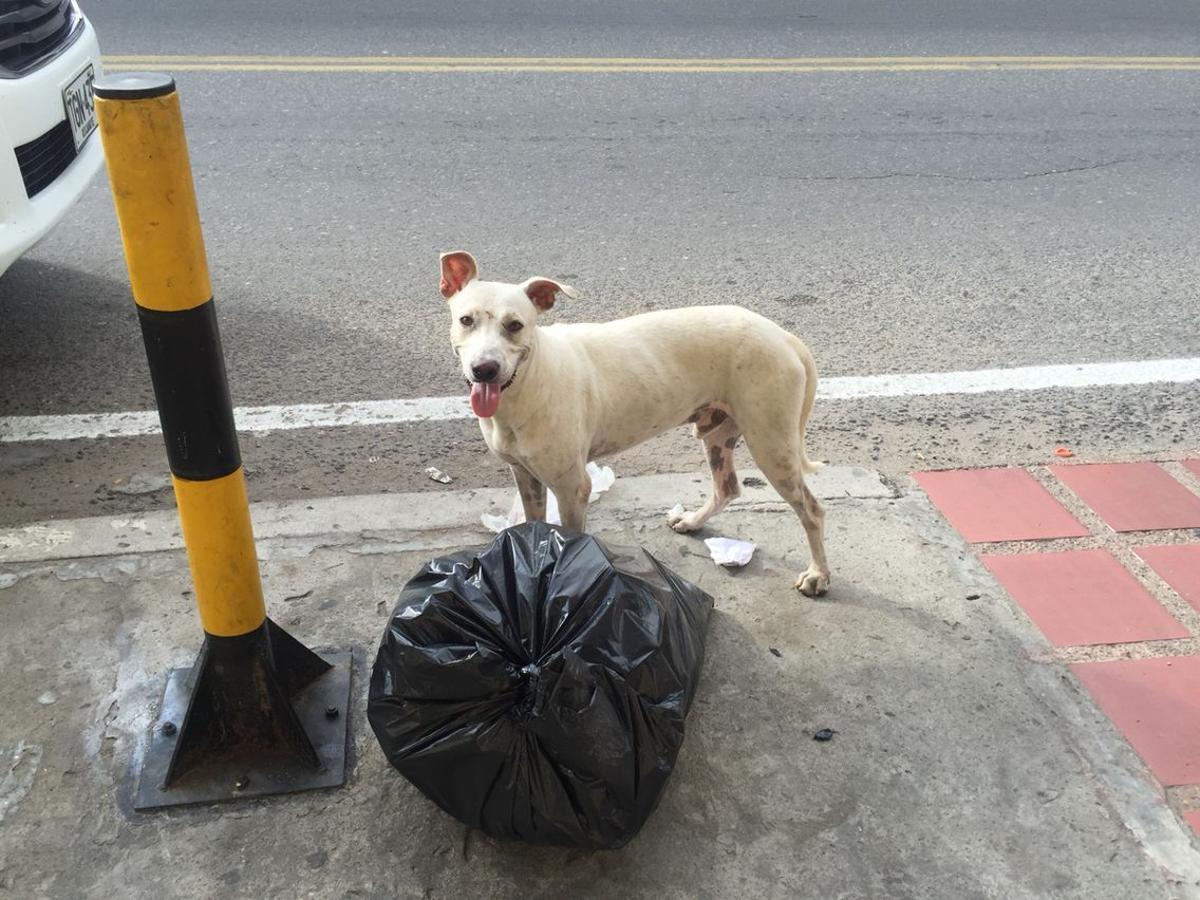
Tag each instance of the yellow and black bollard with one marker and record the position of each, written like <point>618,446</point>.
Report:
<point>259,713</point>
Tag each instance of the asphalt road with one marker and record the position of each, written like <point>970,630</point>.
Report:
<point>648,27</point>
<point>897,221</point>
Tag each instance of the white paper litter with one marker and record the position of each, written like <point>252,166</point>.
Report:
<point>494,524</point>
<point>602,479</point>
<point>728,552</point>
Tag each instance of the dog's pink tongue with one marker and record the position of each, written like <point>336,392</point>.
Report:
<point>485,399</point>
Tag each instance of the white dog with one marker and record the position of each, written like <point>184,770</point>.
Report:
<point>551,399</point>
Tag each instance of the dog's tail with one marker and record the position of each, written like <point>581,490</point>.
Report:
<point>807,465</point>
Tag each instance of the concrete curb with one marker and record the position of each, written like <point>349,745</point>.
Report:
<point>398,513</point>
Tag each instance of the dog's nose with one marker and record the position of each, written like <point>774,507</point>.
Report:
<point>485,371</point>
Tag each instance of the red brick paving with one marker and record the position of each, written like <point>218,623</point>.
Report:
<point>1082,597</point>
<point>1156,705</point>
<point>1179,566</point>
<point>1085,597</point>
<point>998,505</point>
<point>1139,496</point>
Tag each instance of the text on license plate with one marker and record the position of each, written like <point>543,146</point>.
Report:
<point>81,109</point>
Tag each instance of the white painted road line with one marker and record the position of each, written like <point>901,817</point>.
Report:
<point>1025,378</point>
<point>14,429</point>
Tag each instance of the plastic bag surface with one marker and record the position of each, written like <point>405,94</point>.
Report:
<point>537,689</point>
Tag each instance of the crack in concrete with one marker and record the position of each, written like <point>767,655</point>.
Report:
<point>18,775</point>
<point>945,177</point>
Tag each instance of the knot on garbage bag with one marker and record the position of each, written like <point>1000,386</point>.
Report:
<point>531,694</point>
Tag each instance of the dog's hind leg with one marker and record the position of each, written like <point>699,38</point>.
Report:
<point>780,455</point>
<point>813,581</point>
<point>720,434</point>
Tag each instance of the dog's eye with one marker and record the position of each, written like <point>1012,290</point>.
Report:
<point>466,321</point>
<point>514,326</point>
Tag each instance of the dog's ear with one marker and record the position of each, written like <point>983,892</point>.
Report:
<point>458,268</point>
<point>543,290</point>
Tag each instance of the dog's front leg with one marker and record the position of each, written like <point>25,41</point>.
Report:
<point>533,494</point>
<point>573,489</point>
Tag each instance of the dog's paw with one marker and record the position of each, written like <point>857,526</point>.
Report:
<point>812,582</point>
<point>684,523</point>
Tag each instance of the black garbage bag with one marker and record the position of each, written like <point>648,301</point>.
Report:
<point>537,689</point>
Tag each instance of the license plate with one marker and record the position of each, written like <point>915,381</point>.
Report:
<point>81,110</point>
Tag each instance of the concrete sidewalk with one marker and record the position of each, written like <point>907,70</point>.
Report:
<point>966,762</point>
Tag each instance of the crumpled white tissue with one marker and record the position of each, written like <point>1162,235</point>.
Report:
<point>728,552</point>
<point>602,479</point>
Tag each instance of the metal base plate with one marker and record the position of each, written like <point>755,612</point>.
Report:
<point>234,776</point>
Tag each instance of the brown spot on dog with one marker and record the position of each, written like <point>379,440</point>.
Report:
<point>733,442</point>
<point>716,457</point>
<point>811,503</point>
<point>714,420</point>
<point>731,488</point>
<point>695,417</point>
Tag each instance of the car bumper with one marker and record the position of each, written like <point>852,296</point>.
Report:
<point>32,105</point>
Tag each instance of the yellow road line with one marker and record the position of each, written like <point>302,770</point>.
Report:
<point>588,64</point>
<point>191,67</point>
<point>637,60</point>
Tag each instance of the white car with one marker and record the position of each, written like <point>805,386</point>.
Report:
<point>49,151</point>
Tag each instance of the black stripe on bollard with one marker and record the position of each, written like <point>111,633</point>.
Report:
<point>188,372</point>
